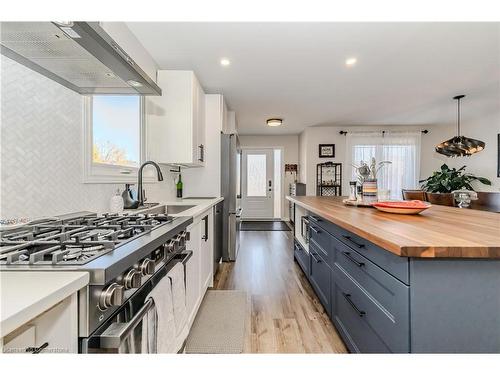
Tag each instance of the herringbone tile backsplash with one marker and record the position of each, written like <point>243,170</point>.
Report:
<point>41,149</point>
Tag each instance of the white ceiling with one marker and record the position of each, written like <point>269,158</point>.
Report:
<point>406,72</point>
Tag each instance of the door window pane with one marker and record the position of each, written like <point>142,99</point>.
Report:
<point>116,125</point>
<point>256,175</point>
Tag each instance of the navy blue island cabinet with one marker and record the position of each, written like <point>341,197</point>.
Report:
<point>380,302</point>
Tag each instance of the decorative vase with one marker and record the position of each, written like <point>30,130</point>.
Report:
<point>370,190</point>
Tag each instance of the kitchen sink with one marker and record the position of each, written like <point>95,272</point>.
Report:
<point>148,208</point>
<point>177,209</point>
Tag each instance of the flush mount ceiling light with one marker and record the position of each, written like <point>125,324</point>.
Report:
<point>133,83</point>
<point>351,61</point>
<point>225,62</point>
<point>274,122</point>
<point>459,145</point>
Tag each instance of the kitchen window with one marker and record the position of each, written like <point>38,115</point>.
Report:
<point>402,149</point>
<point>114,138</point>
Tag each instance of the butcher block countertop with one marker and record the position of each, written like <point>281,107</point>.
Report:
<point>438,232</point>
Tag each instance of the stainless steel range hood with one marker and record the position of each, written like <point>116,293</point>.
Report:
<point>78,55</point>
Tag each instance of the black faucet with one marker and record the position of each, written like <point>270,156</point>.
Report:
<point>140,192</point>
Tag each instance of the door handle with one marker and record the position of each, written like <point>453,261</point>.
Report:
<point>348,256</point>
<point>358,245</point>
<point>205,236</point>
<point>349,301</point>
<point>317,260</point>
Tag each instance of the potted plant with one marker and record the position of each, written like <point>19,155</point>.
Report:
<point>439,186</point>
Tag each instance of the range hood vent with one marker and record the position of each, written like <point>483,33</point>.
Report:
<point>78,55</point>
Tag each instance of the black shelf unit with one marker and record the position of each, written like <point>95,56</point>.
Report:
<point>329,179</point>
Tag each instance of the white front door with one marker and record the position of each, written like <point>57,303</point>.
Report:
<point>257,201</point>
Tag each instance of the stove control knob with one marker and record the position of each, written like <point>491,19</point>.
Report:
<point>179,240</point>
<point>132,279</point>
<point>111,296</point>
<point>147,266</point>
<point>171,247</point>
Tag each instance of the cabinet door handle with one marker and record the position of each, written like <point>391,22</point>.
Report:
<point>314,230</point>
<point>359,245</point>
<point>348,299</point>
<point>202,153</point>
<point>205,236</point>
<point>316,218</point>
<point>34,350</point>
<point>348,256</point>
<point>315,259</point>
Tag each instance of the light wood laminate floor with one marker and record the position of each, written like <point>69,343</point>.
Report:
<point>283,314</point>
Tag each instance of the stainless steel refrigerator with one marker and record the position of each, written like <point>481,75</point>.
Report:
<point>231,191</point>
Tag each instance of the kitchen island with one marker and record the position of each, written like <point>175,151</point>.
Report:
<point>403,283</point>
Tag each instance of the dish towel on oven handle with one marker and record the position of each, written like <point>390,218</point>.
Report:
<point>176,276</point>
<point>158,326</point>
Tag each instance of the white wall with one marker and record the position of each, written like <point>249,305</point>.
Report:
<point>41,149</point>
<point>290,145</point>
<point>41,145</point>
<point>483,164</point>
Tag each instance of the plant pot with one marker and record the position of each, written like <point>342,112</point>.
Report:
<point>444,199</point>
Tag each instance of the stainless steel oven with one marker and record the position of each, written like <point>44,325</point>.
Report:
<point>122,332</point>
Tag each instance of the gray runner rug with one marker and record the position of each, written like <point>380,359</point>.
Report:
<point>219,327</point>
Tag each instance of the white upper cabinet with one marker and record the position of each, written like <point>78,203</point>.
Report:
<point>176,120</point>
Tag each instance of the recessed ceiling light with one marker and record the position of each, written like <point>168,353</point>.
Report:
<point>351,61</point>
<point>225,62</point>
<point>274,122</point>
<point>133,83</point>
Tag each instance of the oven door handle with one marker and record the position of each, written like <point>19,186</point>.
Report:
<point>116,333</point>
<point>185,256</point>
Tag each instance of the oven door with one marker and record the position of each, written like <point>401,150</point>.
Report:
<point>122,332</point>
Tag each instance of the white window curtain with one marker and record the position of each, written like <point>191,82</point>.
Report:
<point>400,148</point>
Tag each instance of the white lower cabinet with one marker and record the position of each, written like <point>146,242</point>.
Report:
<point>192,272</point>
<point>207,255</point>
<point>199,269</point>
<point>54,331</point>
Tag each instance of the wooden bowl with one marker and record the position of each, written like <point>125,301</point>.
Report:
<point>402,207</point>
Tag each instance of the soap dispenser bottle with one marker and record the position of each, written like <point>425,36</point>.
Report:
<point>116,203</point>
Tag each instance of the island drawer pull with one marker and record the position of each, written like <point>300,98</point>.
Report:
<point>348,299</point>
<point>359,245</point>
<point>315,259</point>
<point>315,230</point>
<point>316,218</point>
<point>348,256</point>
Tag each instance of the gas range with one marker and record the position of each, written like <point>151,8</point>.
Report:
<point>74,241</point>
<point>123,253</point>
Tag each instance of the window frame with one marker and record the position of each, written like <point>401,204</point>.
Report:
<point>107,173</point>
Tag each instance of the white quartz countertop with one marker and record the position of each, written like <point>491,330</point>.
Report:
<point>200,205</point>
<point>25,295</point>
